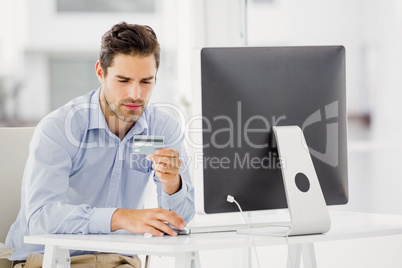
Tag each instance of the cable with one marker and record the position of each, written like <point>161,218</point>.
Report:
<point>287,242</point>
<point>231,199</point>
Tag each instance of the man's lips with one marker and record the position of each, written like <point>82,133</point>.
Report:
<point>132,107</point>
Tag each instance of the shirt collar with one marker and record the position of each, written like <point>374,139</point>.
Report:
<point>140,126</point>
<point>96,118</point>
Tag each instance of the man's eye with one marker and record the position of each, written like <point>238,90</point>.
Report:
<point>123,81</point>
<point>147,82</point>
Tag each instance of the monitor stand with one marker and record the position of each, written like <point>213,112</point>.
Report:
<point>306,203</point>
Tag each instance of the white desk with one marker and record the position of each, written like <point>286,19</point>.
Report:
<point>345,225</point>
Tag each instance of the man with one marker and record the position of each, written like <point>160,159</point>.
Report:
<point>82,176</point>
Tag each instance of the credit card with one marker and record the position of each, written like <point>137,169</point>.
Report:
<point>148,144</point>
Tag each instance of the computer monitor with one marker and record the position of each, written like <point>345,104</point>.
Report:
<point>245,91</point>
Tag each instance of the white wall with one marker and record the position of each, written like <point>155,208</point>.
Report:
<point>12,17</point>
<point>388,93</point>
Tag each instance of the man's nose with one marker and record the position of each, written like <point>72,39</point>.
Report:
<point>135,91</point>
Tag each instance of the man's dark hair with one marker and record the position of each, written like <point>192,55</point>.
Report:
<point>128,39</point>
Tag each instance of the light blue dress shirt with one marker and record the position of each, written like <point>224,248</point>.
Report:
<point>78,173</point>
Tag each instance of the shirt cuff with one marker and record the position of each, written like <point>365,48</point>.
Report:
<point>100,220</point>
<point>175,199</point>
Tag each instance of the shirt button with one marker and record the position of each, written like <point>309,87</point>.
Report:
<point>109,206</point>
<point>115,175</point>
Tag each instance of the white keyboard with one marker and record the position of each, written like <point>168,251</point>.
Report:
<point>257,228</point>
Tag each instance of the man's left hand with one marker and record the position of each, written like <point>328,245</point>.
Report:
<point>166,163</point>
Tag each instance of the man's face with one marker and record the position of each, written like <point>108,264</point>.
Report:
<point>127,87</point>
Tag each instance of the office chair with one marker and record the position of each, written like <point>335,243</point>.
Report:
<point>14,147</point>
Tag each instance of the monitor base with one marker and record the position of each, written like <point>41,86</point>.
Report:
<point>307,208</point>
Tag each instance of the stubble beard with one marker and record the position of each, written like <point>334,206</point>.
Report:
<point>125,115</point>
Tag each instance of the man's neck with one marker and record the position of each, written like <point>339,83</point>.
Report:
<point>117,127</point>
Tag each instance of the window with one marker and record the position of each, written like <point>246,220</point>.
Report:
<point>71,78</point>
<point>144,6</point>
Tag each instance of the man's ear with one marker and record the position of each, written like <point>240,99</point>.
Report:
<point>99,72</point>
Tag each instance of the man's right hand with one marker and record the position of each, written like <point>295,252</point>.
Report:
<point>146,221</point>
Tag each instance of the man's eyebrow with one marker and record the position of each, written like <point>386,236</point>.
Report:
<point>128,78</point>
<point>123,77</point>
<point>148,78</point>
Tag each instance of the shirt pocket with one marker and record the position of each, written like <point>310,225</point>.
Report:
<point>139,162</point>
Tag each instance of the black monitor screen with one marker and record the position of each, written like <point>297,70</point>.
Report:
<point>246,91</point>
